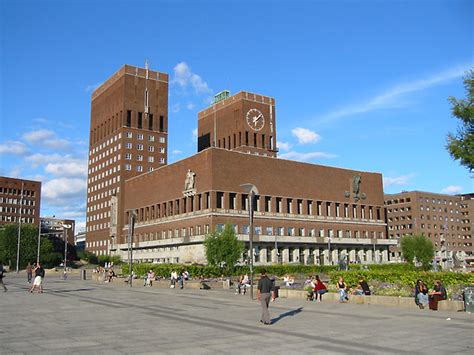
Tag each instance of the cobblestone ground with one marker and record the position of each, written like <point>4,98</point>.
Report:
<point>85,317</point>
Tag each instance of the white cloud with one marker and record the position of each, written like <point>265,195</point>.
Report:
<point>401,180</point>
<point>71,168</point>
<point>304,157</point>
<point>451,190</point>
<point>305,136</point>
<point>92,87</point>
<point>15,173</point>
<point>283,146</point>
<point>195,134</point>
<point>176,151</point>
<point>39,159</point>
<point>184,77</point>
<point>392,97</point>
<point>46,138</point>
<point>55,191</point>
<point>13,147</point>
<point>190,106</point>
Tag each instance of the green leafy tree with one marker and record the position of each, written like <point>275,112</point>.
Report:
<point>419,248</point>
<point>223,248</point>
<point>28,246</point>
<point>461,144</point>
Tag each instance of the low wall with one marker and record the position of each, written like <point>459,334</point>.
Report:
<point>405,302</point>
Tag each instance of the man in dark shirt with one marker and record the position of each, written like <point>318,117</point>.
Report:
<point>265,292</point>
<point>1,279</point>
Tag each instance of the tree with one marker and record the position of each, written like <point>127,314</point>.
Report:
<point>28,246</point>
<point>461,145</point>
<point>419,248</point>
<point>223,248</point>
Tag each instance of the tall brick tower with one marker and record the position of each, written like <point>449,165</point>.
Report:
<point>128,137</point>
<point>244,122</point>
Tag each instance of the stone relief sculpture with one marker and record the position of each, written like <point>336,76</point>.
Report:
<point>189,181</point>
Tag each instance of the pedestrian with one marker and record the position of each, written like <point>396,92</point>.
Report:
<point>1,278</point>
<point>173,279</point>
<point>38,281</point>
<point>341,287</point>
<point>421,294</point>
<point>319,289</point>
<point>29,272</point>
<point>436,295</point>
<point>265,293</point>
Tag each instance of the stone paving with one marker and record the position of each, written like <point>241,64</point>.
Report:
<point>85,317</point>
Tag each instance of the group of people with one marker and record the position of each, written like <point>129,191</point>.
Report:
<point>424,297</point>
<point>178,278</point>
<point>317,288</point>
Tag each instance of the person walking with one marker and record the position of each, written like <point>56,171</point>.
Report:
<point>5,289</point>
<point>265,292</point>
<point>38,281</point>
<point>29,272</point>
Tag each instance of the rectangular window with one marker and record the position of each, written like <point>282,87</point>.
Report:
<point>246,138</point>
<point>140,146</point>
<point>319,208</point>
<point>150,122</point>
<point>128,145</point>
<point>139,121</point>
<point>255,139</point>
<point>268,205</point>
<point>140,157</point>
<point>140,136</point>
<point>151,148</point>
<point>128,122</point>
<point>151,138</point>
<point>129,135</point>
<point>220,199</point>
<point>128,156</point>
<point>151,159</point>
<point>232,197</point>
<point>278,204</point>
<point>162,123</point>
<point>269,231</point>
<point>128,167</point>
<point>263,141</point>
<point>162,140</point>
<point>338,208</point>
<point>346,210</point>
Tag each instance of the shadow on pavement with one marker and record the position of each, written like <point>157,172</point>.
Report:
<point>287,314</point>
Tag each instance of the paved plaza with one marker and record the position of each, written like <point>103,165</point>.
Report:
<point>85,317</point>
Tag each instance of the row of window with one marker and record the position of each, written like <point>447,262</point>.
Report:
<point>139,168</point>
<point>440,210</point>
<point>104,164</point>
<point>15,219</point>
<point>14,191</point>
<point>237,201</point>
<point>14,201</point>
<point>106,143</point>
<point>104,184</point>
<point>259,230</point>
<point>140,136</point>
<point>8,209</point>
<point>258,140</point>
<point>101,195</point>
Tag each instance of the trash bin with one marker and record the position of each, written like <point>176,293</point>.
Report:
<point>83,274</point>
<point>469,298</point>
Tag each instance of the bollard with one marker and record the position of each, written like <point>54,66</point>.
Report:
<point>83,274</point>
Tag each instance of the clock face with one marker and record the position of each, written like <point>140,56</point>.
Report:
<point>255,119</point>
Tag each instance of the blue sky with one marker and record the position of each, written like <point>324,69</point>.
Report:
<point>358,84</point>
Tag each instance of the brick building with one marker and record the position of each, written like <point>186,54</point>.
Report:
<point>56,228</point>
<point>19,199</point>
<point>128,136</point>
<point>305,213</point>
<point>444,219</point>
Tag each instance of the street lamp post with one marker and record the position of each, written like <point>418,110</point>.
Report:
<point>131,226</point>
<point>19,232</point>
<point>329,251</point>
<point>39,243</point>
<point>252,190</point>
<point>65,228</point>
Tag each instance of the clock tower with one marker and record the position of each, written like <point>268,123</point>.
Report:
<point>244,122</point>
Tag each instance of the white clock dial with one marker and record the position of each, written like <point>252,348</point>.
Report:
<point>255,119</point>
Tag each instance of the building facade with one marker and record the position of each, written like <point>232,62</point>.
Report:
<point>58,228</point>
<point>445,219</point>
<point>20,200</point>
<point>304,213</point>
<point>128,137</point>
